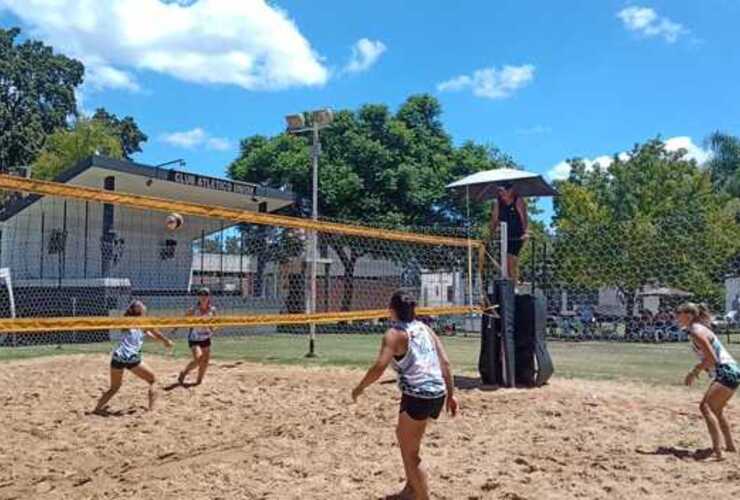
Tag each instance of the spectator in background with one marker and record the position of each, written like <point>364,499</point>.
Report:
<point>587,318</point>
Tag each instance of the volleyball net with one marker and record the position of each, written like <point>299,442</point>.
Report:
<point>74,257</point>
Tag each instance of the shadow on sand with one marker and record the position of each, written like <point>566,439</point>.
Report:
<point>680,453</point>
<point>464,383</point>
<point>175,385</point>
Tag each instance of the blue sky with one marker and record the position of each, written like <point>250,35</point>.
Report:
<point>543,81</point>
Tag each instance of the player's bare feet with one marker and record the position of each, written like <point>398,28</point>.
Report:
<point>100,411</point>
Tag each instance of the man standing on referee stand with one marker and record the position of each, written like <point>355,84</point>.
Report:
<point>510,208</point>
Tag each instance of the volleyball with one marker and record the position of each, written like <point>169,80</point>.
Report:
<point>174,222</point>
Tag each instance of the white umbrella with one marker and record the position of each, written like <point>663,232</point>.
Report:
<point>482,185</point>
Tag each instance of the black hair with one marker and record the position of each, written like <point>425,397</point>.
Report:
<point>404,305</point>
<point>507,185</point>
<point>135,308</point>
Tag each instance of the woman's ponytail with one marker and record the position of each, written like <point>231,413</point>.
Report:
<point>704,317</point>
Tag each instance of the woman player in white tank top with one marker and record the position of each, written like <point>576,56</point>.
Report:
<point>425,381</point>
<point>127,356</point>
<point>724,371</point>
<point>199,339</point>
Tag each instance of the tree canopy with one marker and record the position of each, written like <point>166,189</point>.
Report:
<point>36,96</point>
<point>64,148</point>
<point>724,165</point>
<point>37,103</point>
<point>650,217</point>
<point>376,166</point>
<point>128,132</point>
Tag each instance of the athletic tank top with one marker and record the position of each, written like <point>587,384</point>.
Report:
<point>723,356</point>
<point>130,344</point>
<point>200,333</point>
<point>510,215</point>
<point>419,372</point>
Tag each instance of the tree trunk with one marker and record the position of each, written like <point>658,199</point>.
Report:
<point>349,262</point>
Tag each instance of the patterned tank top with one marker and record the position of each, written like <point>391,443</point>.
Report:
<point>419,371</point>
<point>129,347</point>
<point>723,356</point>
<point>200,333</point>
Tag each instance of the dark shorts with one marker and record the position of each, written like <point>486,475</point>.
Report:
<point>199,343</point>
<point>125,364</point>
<point>421,408</point>
<point>728,376</point>
<point>513,247</point>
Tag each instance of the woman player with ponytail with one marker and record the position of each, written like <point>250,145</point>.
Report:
<point>721,367</point>
<point>127,356</point>
<point>425,380</point>
<point>199,339</point>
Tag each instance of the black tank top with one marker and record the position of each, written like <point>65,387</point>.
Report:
<point>510,215</point>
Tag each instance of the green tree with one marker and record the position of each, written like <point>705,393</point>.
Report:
<point>64,148</point>
<point>36,96</point>
<point>377,167</point>
<point>724,164</point>
<point>651,217</point>
<point>128,131</point>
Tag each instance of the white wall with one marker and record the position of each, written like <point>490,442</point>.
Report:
<point>143,233</point>
<point>434,288</point>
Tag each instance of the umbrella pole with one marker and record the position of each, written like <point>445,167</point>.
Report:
<point>470,248</point>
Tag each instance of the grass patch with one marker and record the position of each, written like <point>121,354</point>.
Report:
<point>650,363</point>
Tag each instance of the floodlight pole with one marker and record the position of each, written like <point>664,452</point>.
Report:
<point>319,119</point>
<point>315,152</point>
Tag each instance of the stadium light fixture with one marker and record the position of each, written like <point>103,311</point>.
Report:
<point>295,122</point>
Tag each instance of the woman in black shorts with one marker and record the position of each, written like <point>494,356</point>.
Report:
<point>127,356</point>
<point>511,208</point>
<point>721,367</point>
<point>425,380</point>
<point>199,339</point>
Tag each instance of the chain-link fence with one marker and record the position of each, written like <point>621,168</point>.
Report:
<point>623,280</point>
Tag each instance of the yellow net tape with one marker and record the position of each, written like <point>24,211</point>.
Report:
<point>35,325</point>
<point>165,205</point>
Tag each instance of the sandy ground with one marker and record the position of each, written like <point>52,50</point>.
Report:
<point>255,431</point>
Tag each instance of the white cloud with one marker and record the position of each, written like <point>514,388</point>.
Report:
<point>693,151</point>
<point>248,43</point>
<point>365,53</point>
<point>647,22</point>
<point>196,138</point>
<point>491,83</point>
<point>100,76</point>
<point>561,170</point>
